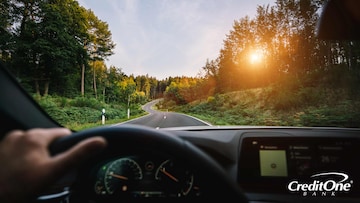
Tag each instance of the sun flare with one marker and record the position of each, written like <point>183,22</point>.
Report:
<point>256,57</point>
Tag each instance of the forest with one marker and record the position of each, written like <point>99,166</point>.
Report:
<point>283,37</point>
<point>57,49</point>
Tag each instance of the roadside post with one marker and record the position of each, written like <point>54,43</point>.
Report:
<point>103,116</point>
<point>128,110</point>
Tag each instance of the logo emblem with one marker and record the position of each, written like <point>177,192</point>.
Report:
<point>323,184</point>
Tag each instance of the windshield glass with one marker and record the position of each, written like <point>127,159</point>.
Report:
<point>257,63</point>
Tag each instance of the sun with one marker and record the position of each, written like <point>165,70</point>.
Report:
<point>256,57</point>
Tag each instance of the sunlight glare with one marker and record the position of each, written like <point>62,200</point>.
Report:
<point>256,57</point>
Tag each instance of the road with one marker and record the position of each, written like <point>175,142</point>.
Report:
<point>160,119</point>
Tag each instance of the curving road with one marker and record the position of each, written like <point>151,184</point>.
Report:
<point>161,119</point>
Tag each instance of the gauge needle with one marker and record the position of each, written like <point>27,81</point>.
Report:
<point>169,175</point>
<point>118,176</point>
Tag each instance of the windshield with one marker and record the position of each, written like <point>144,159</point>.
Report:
<point>252,63</point>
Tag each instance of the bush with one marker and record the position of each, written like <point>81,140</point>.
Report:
<point>46,102</point>
<point>87,102</point>
<point>82,111</point>
<point>210,99</point>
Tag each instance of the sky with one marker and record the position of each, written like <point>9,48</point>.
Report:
<point>168,38</point>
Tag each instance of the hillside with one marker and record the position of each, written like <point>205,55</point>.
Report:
<point>292,106</point>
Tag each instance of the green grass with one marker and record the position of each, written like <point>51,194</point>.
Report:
<point>273,106</point>
<point>77,126</point>
<point>81,113</point>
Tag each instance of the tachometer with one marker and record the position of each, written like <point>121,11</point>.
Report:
<point>121,175</point>
<point>176,179</point>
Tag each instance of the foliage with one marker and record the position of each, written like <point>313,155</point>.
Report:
<point>86,102</point>
<point>57,50</point>
<point>45,42</point>
<point>59,47</point>
<point>300,80</point>
<point>74,113</point>
<point>264,107</point>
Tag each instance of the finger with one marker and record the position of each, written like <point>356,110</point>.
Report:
<point>75,155</point>
<point>13,135</point>
<point>48,135</point>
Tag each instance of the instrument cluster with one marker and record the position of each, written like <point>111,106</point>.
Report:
<point>145,176</point>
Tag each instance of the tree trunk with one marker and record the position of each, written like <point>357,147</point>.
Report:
<point>94,77</point>
<point>82,79</point>
<point>46,87</point>
<point>104,94</point>
<point>37,89</point>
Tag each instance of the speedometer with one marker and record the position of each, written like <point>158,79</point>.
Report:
<point>121,175</point>
<point>176,179</point>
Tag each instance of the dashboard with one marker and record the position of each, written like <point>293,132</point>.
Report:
<point>269,164</point>
<point>279,164</point>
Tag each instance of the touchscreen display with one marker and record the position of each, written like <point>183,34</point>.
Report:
<point>272,163</point>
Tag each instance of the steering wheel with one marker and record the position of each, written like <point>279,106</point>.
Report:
<point>218,185</point>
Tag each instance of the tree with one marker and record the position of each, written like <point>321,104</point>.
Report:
<point>211,79</point>
<point>114,76</point>
<point>57,43</point>
<point>100,44</point>
<point>143,84</point>
<point>5,25</point>
<point>46,42</point>
<point>26,59</point>
<point>127,88</point>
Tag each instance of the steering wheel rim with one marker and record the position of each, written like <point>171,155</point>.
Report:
<point>219,185</point>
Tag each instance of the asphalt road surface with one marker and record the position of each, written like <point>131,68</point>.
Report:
<point>161,119</point>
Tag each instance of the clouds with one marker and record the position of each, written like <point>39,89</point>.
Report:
<point>165,38</point>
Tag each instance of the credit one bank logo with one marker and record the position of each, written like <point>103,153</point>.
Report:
<point>323,184</point>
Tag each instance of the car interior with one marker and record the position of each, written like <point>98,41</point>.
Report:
<point>268,164</point>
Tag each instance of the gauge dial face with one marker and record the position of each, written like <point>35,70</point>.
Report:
<point>175,179</point>
<point>121,175</point>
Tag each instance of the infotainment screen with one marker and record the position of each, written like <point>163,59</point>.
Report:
<point>289,164</point>
<point>273,163</point>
